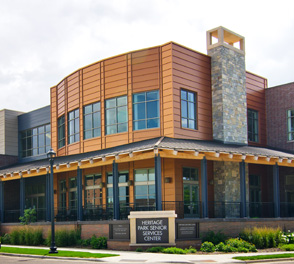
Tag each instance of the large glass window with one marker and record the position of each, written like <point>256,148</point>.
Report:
<point>72,194</point>
<point>252,117</point>
<point>116,115</point>
<point>61,131</point>
<point>62,195</point>
<point>93,190</point>
<point>191,192</point>
<point>92,123</point>
<point>35,141</point>
<point>188,109</point>
<point>73,126</point>
<point>145,187</point>
<point>146,110</point>
<point>123,188</point>
<point>290,120</point>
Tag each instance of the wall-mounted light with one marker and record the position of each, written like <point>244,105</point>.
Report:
<point>175,152</point>
<point>57,167</point>
<point>103,158</point>
<point>116,157</point>
<point>91,161</point>
<point>280,160</point>
<point>11,174</point>
<point>38,170</point>
<point>68,165</point>
<point>243,157</point>
<point>47,169</point>
<point>4,175</point>
<point>131,154</point>
<point>255,157</point>
<point>230,156</point>
<point>168,179</point>
<point>268,159</point>
<point>29,171</point>
<point>196,153</point>
<point>216,154</point>
<point>156,151</point>
<point>289,160</point>
<point>79,163</point>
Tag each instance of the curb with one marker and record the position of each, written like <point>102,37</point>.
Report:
<point>49,257</point>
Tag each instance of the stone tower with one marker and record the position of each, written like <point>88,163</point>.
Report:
<point>228,78</point>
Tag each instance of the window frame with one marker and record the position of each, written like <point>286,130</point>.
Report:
<point>96,200</point>
<point>116,124</point>
<point>75,134</point>
<point>195,120</point>
<point>145,102</point>
<point>254,123</point>
<point>61,131</point>
<point>92,115</point>
<point>290,132</point>
<point>42,133</point>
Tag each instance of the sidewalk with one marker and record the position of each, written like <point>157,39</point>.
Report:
<point>131,257</point>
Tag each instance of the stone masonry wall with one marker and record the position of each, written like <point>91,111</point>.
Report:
<point>227,188</point>
<point>229,105</point>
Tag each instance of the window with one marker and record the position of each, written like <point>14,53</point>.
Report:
<point>93,190</point>
<point>62,195</point>
<point>290,125</point>
<point>123,188</point>
<point>116,115</point>
<point>146,110</point>
<point>72,194</point>
<point>191,192</point>
<point>35,141</point>
<point>61,131</point>
<point>73,126</point>
<point>188,109</point>
<point>145,187</point>
<point>92,123</point>
<point>252,117</point>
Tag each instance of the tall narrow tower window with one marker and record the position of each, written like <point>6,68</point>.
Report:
<point>188,109</point>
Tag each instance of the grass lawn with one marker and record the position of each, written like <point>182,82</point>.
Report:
<point>61,253</point>
<point>273,256</point>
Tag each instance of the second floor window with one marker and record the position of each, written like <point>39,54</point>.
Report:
<point>92,124</point>
<point>35,141</point>
<point>73,126</point>
<point>252,116</point>
<point>146,110</point>
<point>290,117</point>
<point>188,109</point>
<point>61,131</point>
<point>116,115</point>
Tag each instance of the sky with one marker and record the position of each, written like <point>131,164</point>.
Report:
<point>44,41</point>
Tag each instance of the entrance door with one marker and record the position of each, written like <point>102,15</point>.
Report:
<point>191,193</point>
<point>255,196</point>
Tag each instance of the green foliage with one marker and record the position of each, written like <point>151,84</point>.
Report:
<point>98,242</point>
<point>64,238</point>
<point>190,250</point>
<point>214,238</point>
<point>5,239</point>
<point>220,247</point>
<point>155,249</point>
<point>26,236</point>
<point>84,242</point>
<point>207,247</point>
<point>30,216</point>
<point>173,250</point>
<point>262,237</point>
<point>139,249</point>
<point>288,247</point>
<point>287,237</point>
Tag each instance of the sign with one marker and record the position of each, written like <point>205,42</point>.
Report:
<point>120,231</point>
<point>152,230</point>
<point>187,230</point>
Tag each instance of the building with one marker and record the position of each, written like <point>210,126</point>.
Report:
<point>162,128</point>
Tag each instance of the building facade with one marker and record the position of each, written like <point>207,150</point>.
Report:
<point>162,128</point>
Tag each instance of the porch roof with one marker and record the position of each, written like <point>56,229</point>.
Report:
<point>166,147</point>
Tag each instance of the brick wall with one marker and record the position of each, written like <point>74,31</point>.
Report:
<point>278,100</point>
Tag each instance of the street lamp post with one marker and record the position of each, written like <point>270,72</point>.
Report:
<point>51,155</point>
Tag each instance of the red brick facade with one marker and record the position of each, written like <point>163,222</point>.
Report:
<point>279,99</point>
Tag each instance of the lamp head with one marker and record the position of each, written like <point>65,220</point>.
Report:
<point>51,154</point>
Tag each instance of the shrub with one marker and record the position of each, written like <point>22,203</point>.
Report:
<point>173,250</point>
<point>155,249</point>
<point>220,247</point>
<point>15,237</point>
<point>262,237</point>
<point>98,242</point>
<point>30,216</point>
<point>190,250</point>
<point>5,239</point>
<point>64,238</point>
<point>139,249</point>
<point>207,247</point>
<point>288,247</point>
<point>214,238</point>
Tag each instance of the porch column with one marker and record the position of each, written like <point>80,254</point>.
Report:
<point>204,191</point>
<point>1,202</point>
<point>243,211</point>
<point>80,195</point>
<point>276,190</point>
<point>115,191</point>
<point>48,198</point>
<point>158,196</point>
<point>22,196</point>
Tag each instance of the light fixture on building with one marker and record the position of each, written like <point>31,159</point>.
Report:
<point>29,171</point>
<point>68,165</point>
<point>175,152</point>
<point>268,159</point>
<point>280,160</point>
<point>216,154</point>
<point>255,157</point>
<point>289,160</point>
<point>79,163</point>
<point>11,174</point>
<point>103,158</point>
<point>156,151</point>
<point>116,157</point>
<point>20,174</point>
<point>230,156</point>
<point>131,154</point>
<point>196,153</point>
<point>4,175</point>
<point>38,170</point>
<point>91,161</point>
<point>243,157</point>
<point>57,167</point>
<point>168,179</point>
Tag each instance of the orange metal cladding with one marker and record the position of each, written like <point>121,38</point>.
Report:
<point>167,68</point>
<point>255,89</point>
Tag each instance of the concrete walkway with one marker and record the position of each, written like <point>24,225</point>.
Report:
<point>131,257</point>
